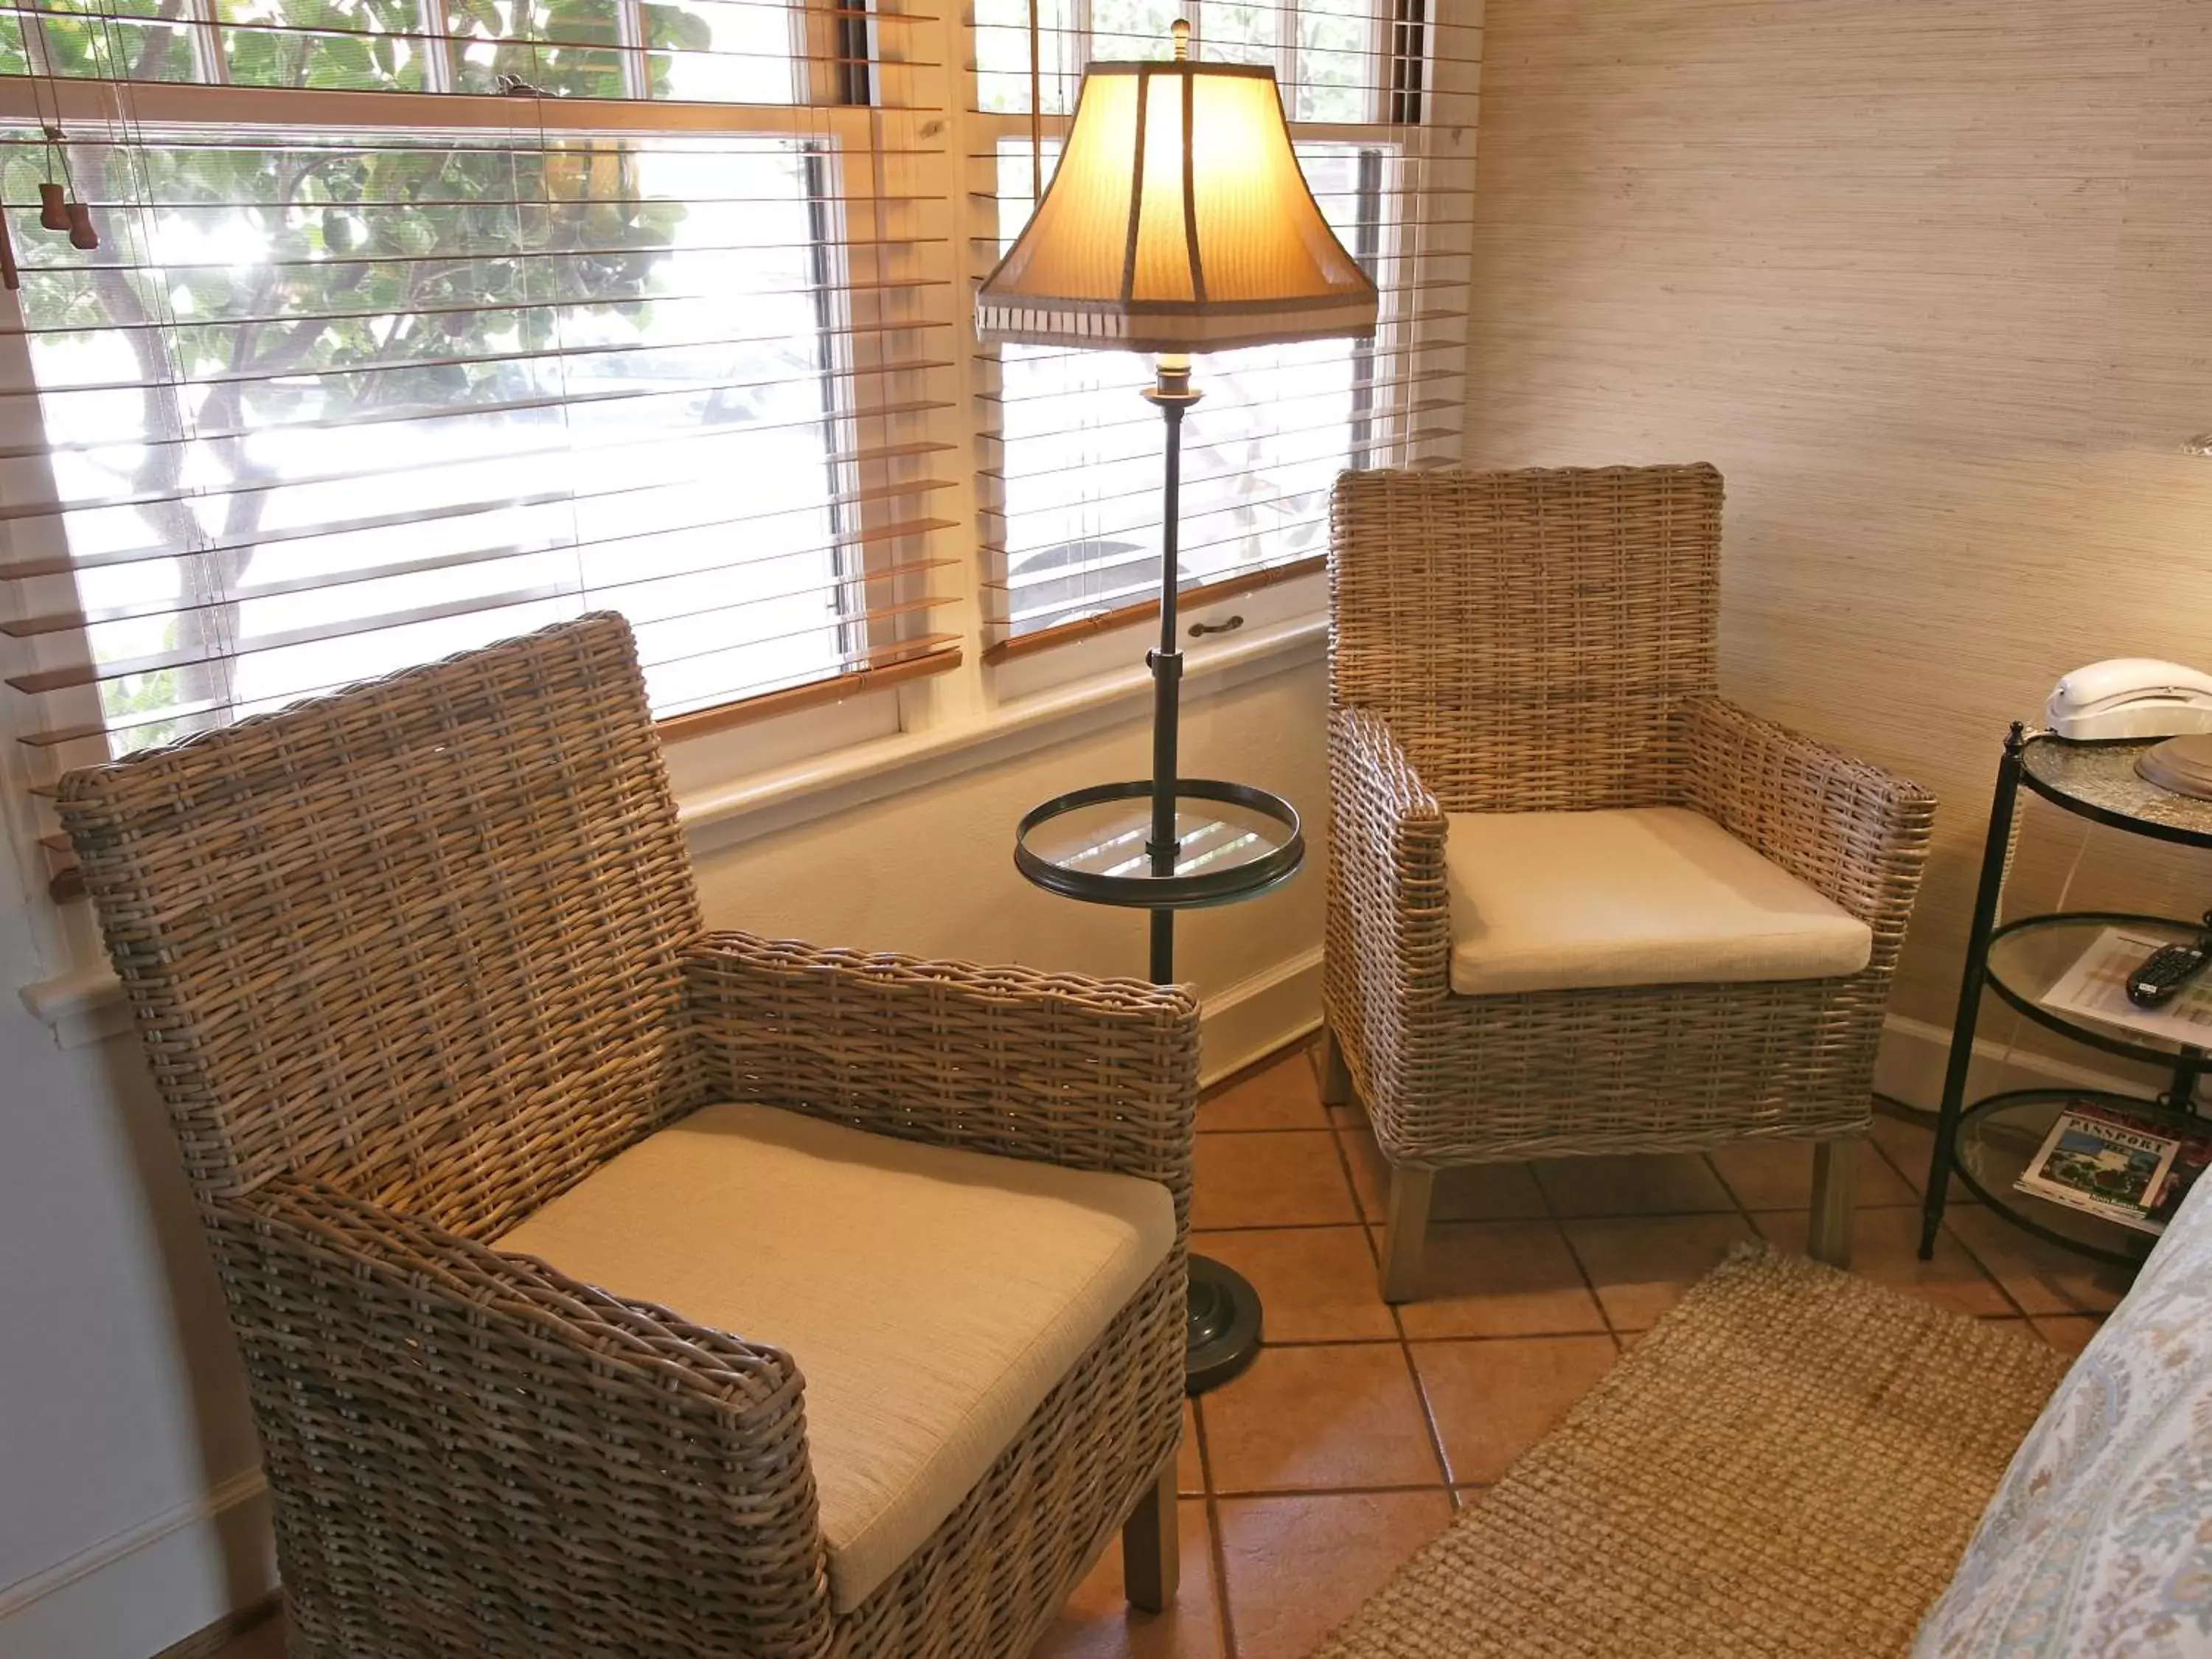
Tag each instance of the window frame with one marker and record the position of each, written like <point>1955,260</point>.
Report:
<point>860,391</point>
<point>927,146</point>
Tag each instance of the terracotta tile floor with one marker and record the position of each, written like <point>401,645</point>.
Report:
<point>1348,1441</point>
<point>1359,1428</point>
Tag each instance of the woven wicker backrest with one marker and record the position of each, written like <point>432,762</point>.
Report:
<point>418,939</point>
<point>1528,636</point>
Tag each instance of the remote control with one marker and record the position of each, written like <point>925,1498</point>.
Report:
<point>2167,968</point>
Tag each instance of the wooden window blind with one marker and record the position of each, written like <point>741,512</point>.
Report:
<point>1068,457</point>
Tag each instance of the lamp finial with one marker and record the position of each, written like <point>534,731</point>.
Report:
<point>1181,30</point>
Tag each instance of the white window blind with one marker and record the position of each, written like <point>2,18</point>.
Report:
<point>1069,467</point>
<point>365,371</point>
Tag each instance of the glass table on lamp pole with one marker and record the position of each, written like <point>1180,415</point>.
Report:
<point>1232,841</point>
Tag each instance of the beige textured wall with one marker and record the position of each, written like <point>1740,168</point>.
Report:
<point>1931,282</point>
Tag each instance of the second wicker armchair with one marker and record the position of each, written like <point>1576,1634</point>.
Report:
<point>1576,902</point>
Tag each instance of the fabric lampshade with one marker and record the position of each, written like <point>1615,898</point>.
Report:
<point>1177,222</point>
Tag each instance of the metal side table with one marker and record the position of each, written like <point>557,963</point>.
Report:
<point>1987,1143</point>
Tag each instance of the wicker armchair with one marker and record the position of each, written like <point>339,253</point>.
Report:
<point>421,962</point>
<point>1544,641</point>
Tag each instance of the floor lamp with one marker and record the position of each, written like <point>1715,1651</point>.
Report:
<point>1176,221</point>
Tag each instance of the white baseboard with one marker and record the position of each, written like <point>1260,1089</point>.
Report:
<point>1252,1019</point>
<point>1914,1054</point>
<point>150,1586</point>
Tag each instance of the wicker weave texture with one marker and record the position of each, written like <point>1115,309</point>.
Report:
<point>410,961</point>
<point>1561,574</point>
<point>1055,1067</point>
<point>419,940</point>
<point>1529,636</point>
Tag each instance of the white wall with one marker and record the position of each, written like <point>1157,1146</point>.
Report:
<point>131,1511</point>
<point>931,871</point>
<point>123,1428</point>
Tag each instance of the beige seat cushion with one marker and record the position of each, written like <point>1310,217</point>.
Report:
<point>932,1297</point>
<point>1646,896</point>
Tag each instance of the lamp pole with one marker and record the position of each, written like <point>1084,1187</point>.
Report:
<point>1172,395</point>
<point>1223,1314</point>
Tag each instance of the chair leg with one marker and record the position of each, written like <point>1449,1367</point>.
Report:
<point>1406,1234</point>
<point>1151,1555</point>
<point>1835,1201</point>
<point>1335,1075</point>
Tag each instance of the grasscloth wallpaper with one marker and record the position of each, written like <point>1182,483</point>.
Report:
<point>1931,282</point>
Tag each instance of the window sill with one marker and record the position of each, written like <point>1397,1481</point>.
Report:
<point>86,1004</point>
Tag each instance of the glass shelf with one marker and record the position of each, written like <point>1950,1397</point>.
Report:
<point>1998,1136</point>
<point>2028,956</point>
<point>2099,780</point>
<point>1232,840</point>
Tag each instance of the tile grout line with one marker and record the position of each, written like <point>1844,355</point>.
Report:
<point>1743,1210</point>
<point>1446,1336</point>
<point>1216,1547</point>
<point>1480,1339</point>
<point>1956,1237</point>
<point>1212,1510</point>
<point>1612,1329</point>
<point>1357,1219</point>
<point>1759,1233</point>
<point>1428,1419</point>
<point>2019,1310</point>
<point>1397,1324</point>
<point>1399,1491</point>
<point>1742,1213</point>
<point>1567,1239</point>
<point>1224,1620</point>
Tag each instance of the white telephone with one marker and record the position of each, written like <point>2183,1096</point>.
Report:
<point>2130,697</point>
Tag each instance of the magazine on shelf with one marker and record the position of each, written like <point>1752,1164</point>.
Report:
<point>2190,1157</point>
<point>2095,989</point>
<point>2105,1163</point>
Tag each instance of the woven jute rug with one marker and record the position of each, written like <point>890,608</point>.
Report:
<point>1789,1463</point>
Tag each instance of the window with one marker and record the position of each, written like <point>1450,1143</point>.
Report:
<point>1069,471</point>
<point>415,323</point>
<point>356,379</point>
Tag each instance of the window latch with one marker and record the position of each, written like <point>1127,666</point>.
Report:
<point>1200,630</point>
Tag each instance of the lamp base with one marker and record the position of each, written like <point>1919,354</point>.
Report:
<point>1225,1325</point>
<point>2183,765</point>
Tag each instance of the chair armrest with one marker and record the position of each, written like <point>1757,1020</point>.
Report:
<point>423,1399</point>
<point>1057,1068</point>
<point>1847,828</point>
<point>1389,910</point>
